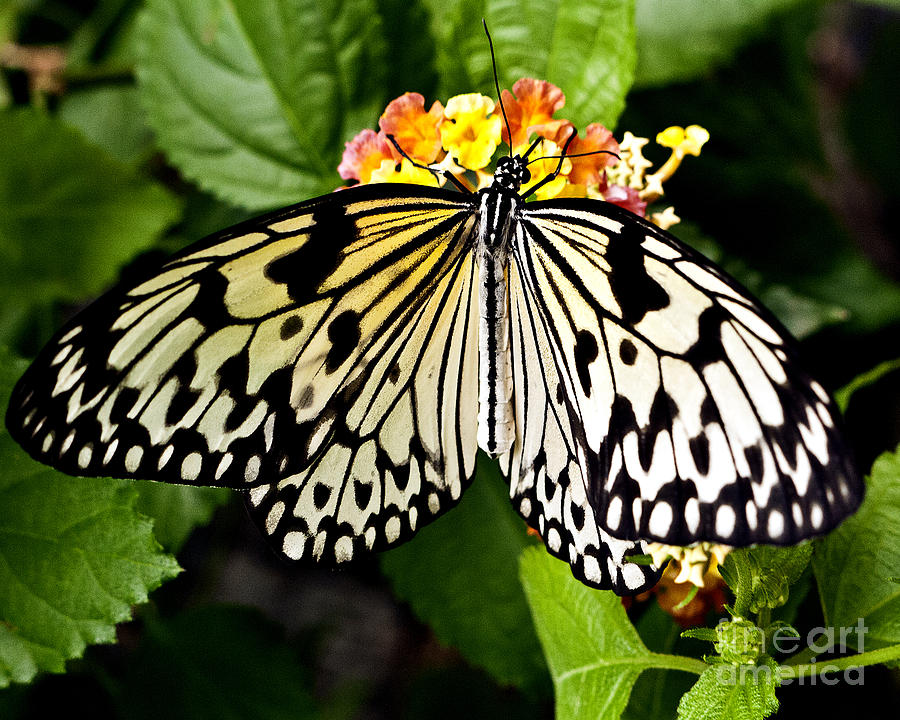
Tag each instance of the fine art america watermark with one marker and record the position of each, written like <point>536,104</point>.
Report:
<point>818,640</point>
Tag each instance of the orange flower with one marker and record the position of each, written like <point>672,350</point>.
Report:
<point>416,131</point>
<point>588,170</point>
<point>529,108</point>
<point>363,154</point>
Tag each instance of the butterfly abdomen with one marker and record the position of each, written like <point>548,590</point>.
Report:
<point>496,424</point>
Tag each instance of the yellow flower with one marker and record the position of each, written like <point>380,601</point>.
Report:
<point>548,154</point>
<point>684,141</point>
<point>665,219</point>
<point>403,172</point>
<point>693,564</point>
<point>471,133</point>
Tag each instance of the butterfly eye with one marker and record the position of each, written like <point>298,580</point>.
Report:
<point>526,175</point>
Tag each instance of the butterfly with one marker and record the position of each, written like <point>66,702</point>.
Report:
<point>341,361</point>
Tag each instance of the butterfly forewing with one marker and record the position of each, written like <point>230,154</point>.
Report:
<point>695,420</point>
<point>216,369</point>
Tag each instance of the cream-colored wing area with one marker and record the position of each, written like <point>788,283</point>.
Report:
<point>547,486</point>
<point>234,362</point>
<point>395,447</point>
<point>696,419</point>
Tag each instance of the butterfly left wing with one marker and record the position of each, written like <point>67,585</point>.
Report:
<point>295,356</point>
<point>697,422</point>
<point>547,486</point>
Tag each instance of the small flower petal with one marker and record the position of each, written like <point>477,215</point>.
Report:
<point>683,141</point>
<point>588,169</point>
<point>416,131</point>
<point>363,154</point>
<point>547,154</point>
<point>665,219</point>
<point>626,197</point>
<point>391,171</point>
<point>471,133</point>
<point>531,105</point>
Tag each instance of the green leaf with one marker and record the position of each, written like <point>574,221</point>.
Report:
<point>801,315</point>
<point>111,117</point>
<point>732,692</point>
<point>215,663</point>
<point>105,36</point>
<point>74,557</point>
<point>252,100</point>
<point>177,509</point>
<point>657,692</point>
<point>855,565</point>
<point>460,575</point>
<point>586,47</point>
<point>761,576</point>
<point>679,40</point>
<point>843,395</point>
<point>69,214</point>
<point>593,651</point>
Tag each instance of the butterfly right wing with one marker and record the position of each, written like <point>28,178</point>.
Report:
<point>546,483</point>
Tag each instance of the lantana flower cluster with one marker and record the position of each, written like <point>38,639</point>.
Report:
<point>463,138</point>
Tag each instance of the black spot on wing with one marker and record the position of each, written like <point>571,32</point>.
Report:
<point>185,397</point>
<point>362,492</point>
<point>304,269</point>
<point>394,374</point>
<point>627,351</point>
<point>635,291</point>
<point>291,326</point>
<point>321,495</point>
<point>585,353</point>
<point>344,334</point>
<point>700,452</point>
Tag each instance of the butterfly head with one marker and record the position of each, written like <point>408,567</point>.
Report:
<point>511,173</point>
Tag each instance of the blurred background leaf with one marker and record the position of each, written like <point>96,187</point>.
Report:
<point>460,577</point>
<point>681,40</point>
<point>216,663</point>
<point>72,215</point>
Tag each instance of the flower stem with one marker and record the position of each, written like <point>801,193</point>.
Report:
<point>872,657</point>
<point>678,662</point>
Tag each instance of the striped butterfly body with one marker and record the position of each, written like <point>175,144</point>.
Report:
<point>340,361</point>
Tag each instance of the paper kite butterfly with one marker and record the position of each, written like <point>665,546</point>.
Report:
<point>340,361</point>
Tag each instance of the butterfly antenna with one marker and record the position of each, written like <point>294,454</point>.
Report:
<point>497,85</point>
<point>437,173</point>
<point>551,176</point>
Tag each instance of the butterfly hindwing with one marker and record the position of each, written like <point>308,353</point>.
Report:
<point>546,483</point>
<point>695,420</point>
